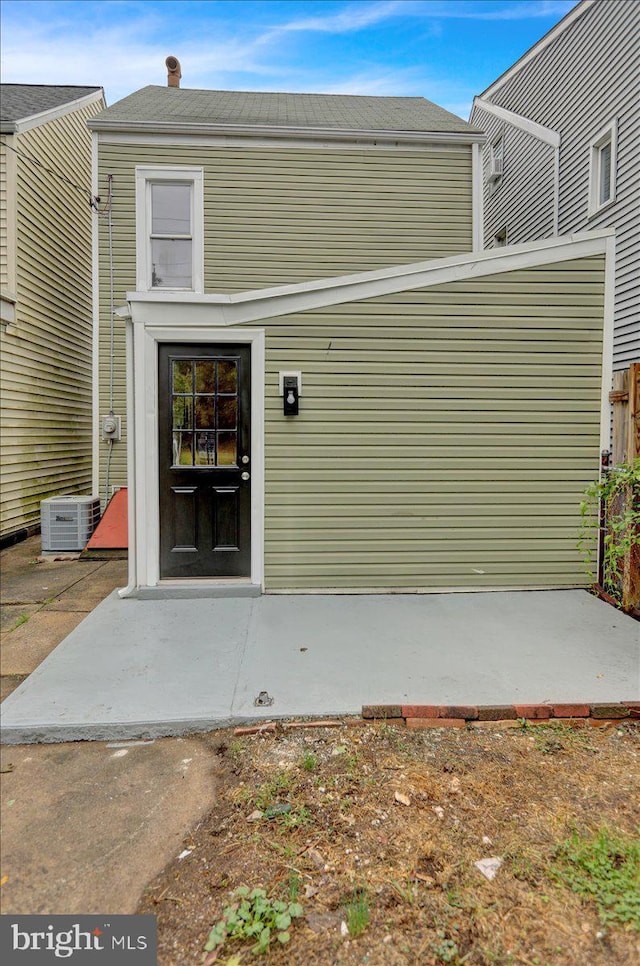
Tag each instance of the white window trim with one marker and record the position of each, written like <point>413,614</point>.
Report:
<point>145,176</point>
<point>607,134</point>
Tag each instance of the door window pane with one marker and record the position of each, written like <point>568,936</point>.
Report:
<point>205,412</point>
<point>182,449</point>
<point>205,377</point>
<point>171,263</point>
<point>182,412</point>
<point>170,209</point>
<point>182,381</point>
<point>227,377</point>
<point>227,449</point>
<point>205,452</point>
<point>227,413</point>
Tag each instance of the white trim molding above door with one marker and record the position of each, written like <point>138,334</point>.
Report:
<point>142,405</point>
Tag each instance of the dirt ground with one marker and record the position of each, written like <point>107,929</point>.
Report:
<point>375,831</point>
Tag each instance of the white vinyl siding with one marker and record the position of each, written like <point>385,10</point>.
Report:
<point>445,436</point>
<point>578,96</point>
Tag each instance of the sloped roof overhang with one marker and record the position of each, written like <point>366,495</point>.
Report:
<point>158,307</point>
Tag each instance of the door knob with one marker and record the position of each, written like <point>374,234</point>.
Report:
<point>245,476</point>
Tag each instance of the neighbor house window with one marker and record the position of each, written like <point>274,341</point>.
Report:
<point>169,229</point>
<point>602,186</point>
<point>496,161</point>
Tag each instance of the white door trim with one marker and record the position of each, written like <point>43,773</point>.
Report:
<point>142,418</point>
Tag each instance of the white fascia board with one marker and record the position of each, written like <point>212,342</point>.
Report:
<point>35,120</point>
<point>270,131</point>
<point>281,143</point>
<point>538,47</point>
<point>539,131</point>
<point>220,310</point>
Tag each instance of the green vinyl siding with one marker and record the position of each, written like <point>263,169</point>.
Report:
<point>444,437</point>
<point>46,355</point>
<point>275,216</point>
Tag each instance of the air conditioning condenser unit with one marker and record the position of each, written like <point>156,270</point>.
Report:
<point>68,521</point>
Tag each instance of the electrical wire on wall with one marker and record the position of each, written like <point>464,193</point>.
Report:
<point>107,210</point>
<point>53,171</point>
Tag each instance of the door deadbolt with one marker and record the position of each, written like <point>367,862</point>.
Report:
<point>245,459</point>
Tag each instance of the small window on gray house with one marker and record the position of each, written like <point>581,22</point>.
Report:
<point>171,235</point>
<point>602,186</point>
<point>496,161</point>
<point>500,238</point>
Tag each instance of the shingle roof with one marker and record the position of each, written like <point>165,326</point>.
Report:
<point>164,106</point>
<point>19,101</point>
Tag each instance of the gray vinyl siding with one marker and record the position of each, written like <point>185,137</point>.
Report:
<point>46,355</point>
<point>445,436</point>
<point>522,200</point>
<point>279,216</point>
<point>576,85</point>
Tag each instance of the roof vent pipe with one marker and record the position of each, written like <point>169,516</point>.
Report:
<point>173,72</point>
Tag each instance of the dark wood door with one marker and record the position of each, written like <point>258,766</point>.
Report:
<point>205,468</point>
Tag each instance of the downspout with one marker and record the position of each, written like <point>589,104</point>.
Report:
<point>131,587</point>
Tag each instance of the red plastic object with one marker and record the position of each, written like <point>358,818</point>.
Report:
<point>112,531</point>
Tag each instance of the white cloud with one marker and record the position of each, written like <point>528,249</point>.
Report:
<point>124,58</point>
<point>353,17</point>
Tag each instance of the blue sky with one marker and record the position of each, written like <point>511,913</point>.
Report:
<point>446,50</point>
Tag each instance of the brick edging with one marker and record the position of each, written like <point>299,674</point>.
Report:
<point>460,716</point>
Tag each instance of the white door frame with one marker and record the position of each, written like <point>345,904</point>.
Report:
<point>143,339</point>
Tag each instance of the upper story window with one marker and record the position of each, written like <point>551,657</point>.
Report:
<point>602,175</point>
<point>496,161</point>
<point>171,235</point>
<point>169,229</point>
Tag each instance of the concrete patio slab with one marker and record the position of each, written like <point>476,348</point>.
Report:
<point>147,668</point>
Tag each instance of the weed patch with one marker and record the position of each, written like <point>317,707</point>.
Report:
<point>606,869</point>
<point>253,917</point>
<point>358,914</point>
<point>19,621</point>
